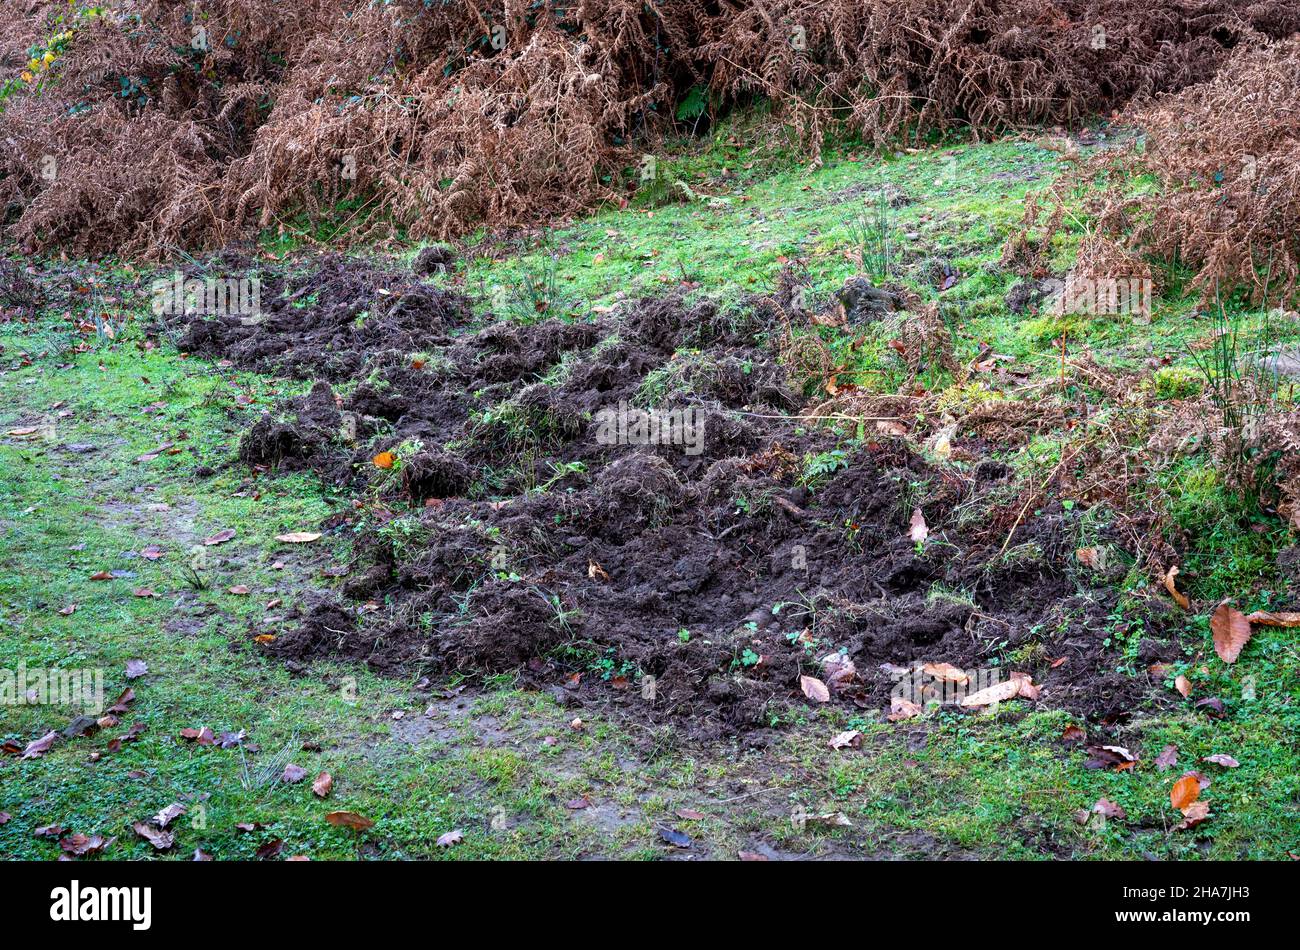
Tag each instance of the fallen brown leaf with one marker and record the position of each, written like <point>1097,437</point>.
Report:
<point>1193,815</point>
<point>900,709</point>
<point>1270,619</point>
<point>1219,758</point>
<point>161,840</point>
<point>918,530</point>
<point>38,747</point>
<point>349,819</point>
<point>80,845</point>
<point>323,785</point>
<point>1179,598</point>
<point>814,689</point>
<point>169,814</point>
<point>997,693</point>
<point>1108,809</point>
<point>946,672</point>
<point>450,838</point>
<point>1167,758</point>
<point>1231,632</point>
<point>850,739</point>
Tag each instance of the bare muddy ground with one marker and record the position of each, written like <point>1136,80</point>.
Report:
<point>508,523</point>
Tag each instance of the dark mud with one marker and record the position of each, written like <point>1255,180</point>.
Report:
<point>510,535</point>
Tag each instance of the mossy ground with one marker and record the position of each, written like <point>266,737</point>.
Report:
<point>504,765</point>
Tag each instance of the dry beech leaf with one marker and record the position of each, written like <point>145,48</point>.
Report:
<point>845,740</point>
<point>900,709</point>
<point>946,672</point>
<point>1185,791</point>
<point>1167,758</point>
<point>323,785</point>
<point>1193,815</point>
<point>349,819</point>
<point>1020,684</point>
<point>997,693</point>
<point>80,845</point>
<point>38,747</point>
<point>918,529</point>
<point>298,537</point>
<point>161,840</point>
<point>1179,598</point>
<point>169,814</point>
<point>1026,683</point>
<point>814,689</point>
<point>1231,632</point>
<point>451,838</point>
<point>221,537</point>
<point>1183,685</point>
<point>1108,809</point>
<point>1270,619</point>
<point>1219,758</point>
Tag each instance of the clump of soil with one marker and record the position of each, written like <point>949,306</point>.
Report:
<point>526,523</point>
<point>329,322</point>
<point>434,259</point>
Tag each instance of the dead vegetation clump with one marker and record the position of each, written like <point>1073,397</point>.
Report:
<point>887,65</point>
<point>154,130</point>
<point>1226,154</point>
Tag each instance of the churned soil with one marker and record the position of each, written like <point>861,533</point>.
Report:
<point>515,531</point>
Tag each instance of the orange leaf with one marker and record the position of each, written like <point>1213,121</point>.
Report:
<point>384,460</point>
<point>1179,597</point>
<point>946,672</point>
<point>1270,619</point>
<point>349,819</point>
<point>1185,791</point>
